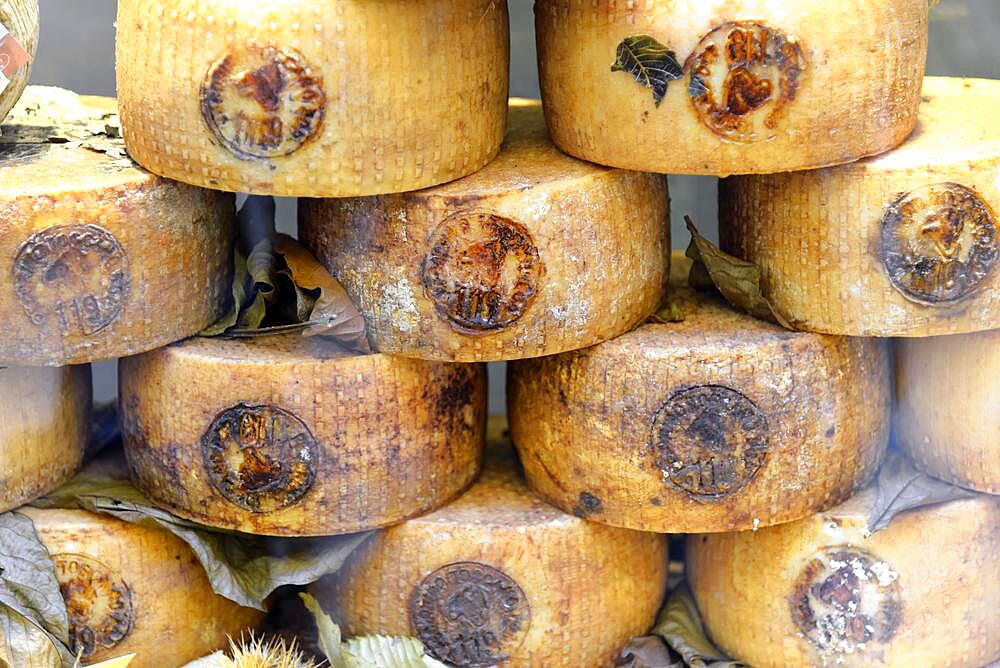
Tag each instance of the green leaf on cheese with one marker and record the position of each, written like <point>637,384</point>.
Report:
<point>650,63</point>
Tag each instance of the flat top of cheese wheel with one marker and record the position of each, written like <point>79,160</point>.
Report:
<point>957,122</point>
<point>279,349</point>
<point>527,158</point>
<point>36,159</point>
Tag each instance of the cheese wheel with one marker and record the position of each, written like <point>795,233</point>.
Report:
<point>535,254</point>
<point>100,258</point>
<point>135,589</point>
<point>500,578</point>
<point>329,98</point>
<point>906,244</point>
<point>722,87</point>
<point>721,422</point>
<point>948,414</point>
<point>291,436</point>
<point>44,427</point>
<point>19,19</point>
<point>821,592</point>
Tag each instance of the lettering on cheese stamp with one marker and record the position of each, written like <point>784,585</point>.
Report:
<point>99,603</point>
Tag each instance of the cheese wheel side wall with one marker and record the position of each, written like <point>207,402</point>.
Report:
<point>44,429</point>
<point>948,415</point>
<point>857,95</point>
<point>602,239</point>
<point>21,19</point>
<point>947,559</point>
<point>582,423</point>
<point>394,437</point>
<point>398,107</point>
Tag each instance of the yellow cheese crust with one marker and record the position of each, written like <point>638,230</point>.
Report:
<point>44,429</point>
<point>948,414</point>
<point>818,592</point>
<point>759,86</point>
<point>20,18</point>
<point>329,98</point>
<point>718,423</point>
<point>291,436</point>
<point>905,244</point>
<point>535,254</point>
<point>501,578</point>
<point>135,589</point>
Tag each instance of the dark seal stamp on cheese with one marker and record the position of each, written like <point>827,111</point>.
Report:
<point>470,614</point>
<point>261,458</point>
<point>709,441</point>
<point>939,243</point>
<point>846,601</point>
<point>483,271</point>
<point>99,603</point>
<point>743,75</point>
<point>74,278</point>
<point>263,102</point>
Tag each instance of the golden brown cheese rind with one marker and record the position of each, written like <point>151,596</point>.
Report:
<point>291,436</point>
<point>322,99</point>
<point>723,87</point>
<point>535,254</point>
<point>821,592</point>
<point>20,18</point>
<point>501,578</point>
<point>905,244</point>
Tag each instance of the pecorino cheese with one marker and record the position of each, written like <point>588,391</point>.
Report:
<point>723,87</point>
<point>327,98</point>
<point>948,412</point>
<point>99,258</point>
<point>135,589</point>
<point>906,244</point>
<point>721,422</point>
<point>18,44</point>
<point>291,436</point>
<point>535,254</point>
<point>823,592</point>
<point>500,578</point>
<point>44,427</point>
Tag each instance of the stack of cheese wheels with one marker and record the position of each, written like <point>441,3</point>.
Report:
<point>724,87</point>
<point>44,425</point>
<point>100,258</point>
<point>824,591</point>
<point>906,244</point>
<point>290,435</point>
<point>325,98</point>
<point>499,578</point>
<point>18,22</point>
<point>135,589</point>
<point>536,254</point>
<point>720,422</point>
<point>948,414</point>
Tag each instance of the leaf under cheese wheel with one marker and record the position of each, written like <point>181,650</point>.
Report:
<point>649,62</point>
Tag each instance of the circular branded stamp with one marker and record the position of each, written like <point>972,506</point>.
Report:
<point>470,614</point>
<point>483,271</point>
<point>845,601</point>
<point>742,77</point>
<point>75,276</point>
<point>261,458</point>
<point>709,441</point>
<point>99,603</point>
<point>939,243</point>
<point>263,102</point>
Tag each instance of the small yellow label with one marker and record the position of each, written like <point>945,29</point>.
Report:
<point>121,662</point>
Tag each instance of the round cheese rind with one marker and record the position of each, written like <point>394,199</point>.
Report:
<point>99,257</point>
<point>821,592</point>
<point>20,18</point>
<point>721,422</point>
<point>292,436</point>
<point>721,87</point>
<point>905,244</point>
<point>322,99</point>
<point>44,428</point>
<point>501,578</point>
<point>135,589</point>
<point>948,411</point>
<point>535,254</point>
